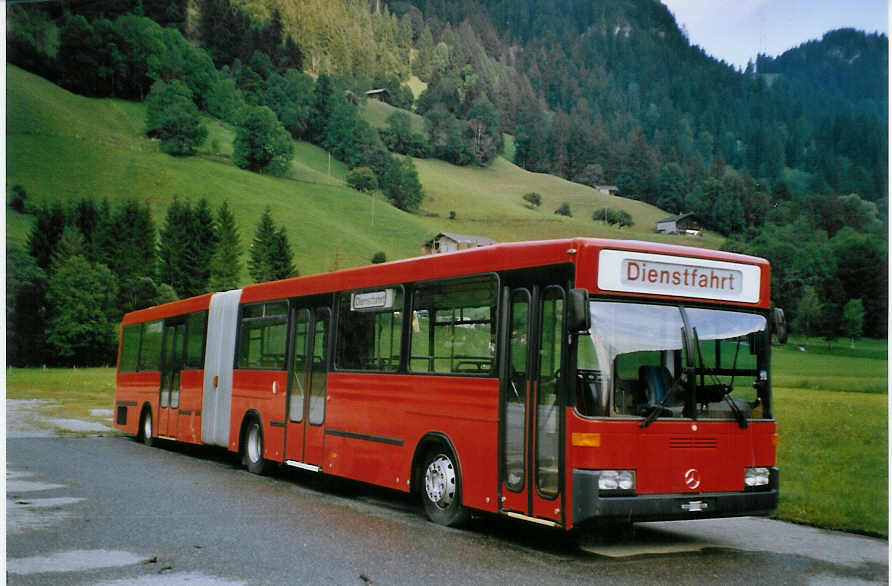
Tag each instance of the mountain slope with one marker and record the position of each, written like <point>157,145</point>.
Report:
<point>844,69</point>
<point>61,146</point>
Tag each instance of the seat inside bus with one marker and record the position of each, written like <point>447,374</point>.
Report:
<point>655,382</point>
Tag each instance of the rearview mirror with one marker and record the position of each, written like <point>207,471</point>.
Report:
<point>579,318</point>
<point>779,325</point>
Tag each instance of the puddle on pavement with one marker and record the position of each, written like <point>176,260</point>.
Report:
<point>192,578</point>
<point>77,425</point>
<point>72,561</point>
<point>15,485</point>
<point>43,503</point>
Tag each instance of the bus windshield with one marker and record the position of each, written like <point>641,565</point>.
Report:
<point>663,361</point>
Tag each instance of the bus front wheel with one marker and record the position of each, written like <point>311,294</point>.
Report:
<point>441,489</point>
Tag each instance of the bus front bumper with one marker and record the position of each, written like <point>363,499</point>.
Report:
<point>590,504</point>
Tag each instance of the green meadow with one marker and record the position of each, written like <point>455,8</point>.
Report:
<point>831,405</point>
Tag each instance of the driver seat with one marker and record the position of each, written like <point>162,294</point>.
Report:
<point>655,381</point>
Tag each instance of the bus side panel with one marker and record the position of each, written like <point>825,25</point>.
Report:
<point>132,391</point>
<point>366,432</point>
<point>262,391</point>
<point>374,423</point>
<point>189,420</point>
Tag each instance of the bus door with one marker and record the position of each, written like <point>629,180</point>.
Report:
<point>172,361</point>
<point>531,414</point>
<point>307,387</point>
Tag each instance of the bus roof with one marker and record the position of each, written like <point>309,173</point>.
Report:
<point>492,258</point>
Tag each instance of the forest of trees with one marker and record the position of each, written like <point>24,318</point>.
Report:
<point>787,158</point>
<point>89,263</point>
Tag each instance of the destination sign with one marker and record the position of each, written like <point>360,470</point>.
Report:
<point>678,276</point>
<point>372,300</point>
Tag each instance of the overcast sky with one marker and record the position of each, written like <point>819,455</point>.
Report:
<point>735,30</point>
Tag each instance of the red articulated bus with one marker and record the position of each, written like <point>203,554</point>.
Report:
<point>558,382</point>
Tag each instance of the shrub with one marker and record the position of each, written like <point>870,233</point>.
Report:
<point>619,218</point>
<point>533,198</point>
<point>362,179</point>
<point>18,198</point>
<point>564,210</point>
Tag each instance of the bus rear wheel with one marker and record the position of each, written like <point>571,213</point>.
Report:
<point>145,428</point>
<point>441,489</point>
<point>252,448</point>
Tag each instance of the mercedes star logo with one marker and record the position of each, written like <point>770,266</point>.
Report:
<point>692,479</point>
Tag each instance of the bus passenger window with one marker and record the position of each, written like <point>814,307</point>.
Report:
<point>196,325</point>
<point>262,334</point>
<point>370,330</point>
<point>453,330</point>
<point>150,352</point>
<point>130,348</point>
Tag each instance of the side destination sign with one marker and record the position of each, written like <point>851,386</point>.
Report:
<point>678,276</point>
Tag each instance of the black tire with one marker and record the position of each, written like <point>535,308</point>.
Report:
<point>252,448</point>
<point>441,489</point>
<point>146,428</point>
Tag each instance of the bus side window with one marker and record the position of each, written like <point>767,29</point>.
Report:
<point>453,330</point>
<point>370,330</point>
<point>196,327</point>
<point>150,351</point>
<point>130,348</point>
<point>262,335</point>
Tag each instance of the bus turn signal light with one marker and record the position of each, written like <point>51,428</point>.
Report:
<point>775,440</point>
<point>586,440</point>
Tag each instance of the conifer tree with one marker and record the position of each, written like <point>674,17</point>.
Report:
<point>46,233</point>
<point>204,240</point>
<point>261,247</point>
<point>129,246</point>
<point>281,260</point>
<point>70,244</point>
<point>226,262</point>
<point>270,256</point>
<point>170,251</point>
<point>188,241</point>
<point>26,286</point>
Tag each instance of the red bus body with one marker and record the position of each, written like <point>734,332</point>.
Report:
<point>377,426</point>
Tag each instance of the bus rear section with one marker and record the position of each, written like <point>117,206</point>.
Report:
<point>672,415</point>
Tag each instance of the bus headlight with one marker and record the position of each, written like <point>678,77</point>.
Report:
<point>756,477</point>
<point>616,480</point>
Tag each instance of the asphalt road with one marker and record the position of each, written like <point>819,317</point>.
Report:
<point>107,510</point>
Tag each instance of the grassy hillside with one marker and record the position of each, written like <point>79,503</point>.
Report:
<point>61,146</point>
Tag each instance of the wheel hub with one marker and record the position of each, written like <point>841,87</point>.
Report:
<point>439,482</point>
